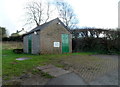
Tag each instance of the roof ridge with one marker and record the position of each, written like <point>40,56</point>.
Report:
<point>42,26</point>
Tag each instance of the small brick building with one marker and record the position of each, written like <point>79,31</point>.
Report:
<point>52,37</point>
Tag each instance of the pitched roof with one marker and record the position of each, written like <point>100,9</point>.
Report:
<point>41,27</point>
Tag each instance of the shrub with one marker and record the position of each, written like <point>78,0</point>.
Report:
<point>15,38</point>
<point>18,51</point>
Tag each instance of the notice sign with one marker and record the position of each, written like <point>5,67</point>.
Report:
<point>56,44</point>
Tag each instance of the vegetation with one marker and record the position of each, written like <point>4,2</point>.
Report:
<point>38,12</point>
<point>12,68</point>
<point>18,36</point>
<point>11,38</point>
<point>96,40</point>
<point>11,45</point>
<point>66,14</point>
<point>3,32</point>
<point>84,46</point>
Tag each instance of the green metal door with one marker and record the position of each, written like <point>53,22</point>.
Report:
<point>29,44</point>
<point>65,43</point>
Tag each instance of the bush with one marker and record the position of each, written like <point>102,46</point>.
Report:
<point>18,51</point>
<point>15,38</point>
<point>89,39</point>
<point>99,45</point>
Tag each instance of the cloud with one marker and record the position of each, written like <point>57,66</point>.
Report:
<point>91,13</point>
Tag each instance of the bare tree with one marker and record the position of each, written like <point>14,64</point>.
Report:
<point>66,13</point>
<point>37,12</point>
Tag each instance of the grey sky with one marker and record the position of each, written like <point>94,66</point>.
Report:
<point>91,13</point>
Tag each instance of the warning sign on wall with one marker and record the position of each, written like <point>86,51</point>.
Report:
<point>56,44</point>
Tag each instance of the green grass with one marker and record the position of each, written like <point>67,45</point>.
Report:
<point>46,75</point>
<point>12,67</point>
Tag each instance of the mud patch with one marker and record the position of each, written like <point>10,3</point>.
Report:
<point>30,79</point>
<point>35,80</point>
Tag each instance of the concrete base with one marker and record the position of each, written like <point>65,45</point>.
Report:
<point>67,79</point>
<point>52,70</point>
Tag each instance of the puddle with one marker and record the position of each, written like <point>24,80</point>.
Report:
<point>4,55</point>
<point>23,58</point>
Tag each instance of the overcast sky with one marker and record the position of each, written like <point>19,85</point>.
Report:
<point>91,13</point>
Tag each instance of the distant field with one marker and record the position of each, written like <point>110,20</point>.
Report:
<point>11,45</point>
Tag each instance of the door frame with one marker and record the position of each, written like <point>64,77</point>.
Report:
<point>30,44</point>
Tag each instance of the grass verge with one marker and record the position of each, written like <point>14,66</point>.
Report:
<point>12,67</point>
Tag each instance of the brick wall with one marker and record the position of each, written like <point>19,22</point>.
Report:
<point>50,35</point>
<point>43,42</point>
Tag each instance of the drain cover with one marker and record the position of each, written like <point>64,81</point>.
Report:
<point>22,58</point>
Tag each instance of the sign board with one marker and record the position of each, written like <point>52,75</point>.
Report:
<point>56,44</point>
